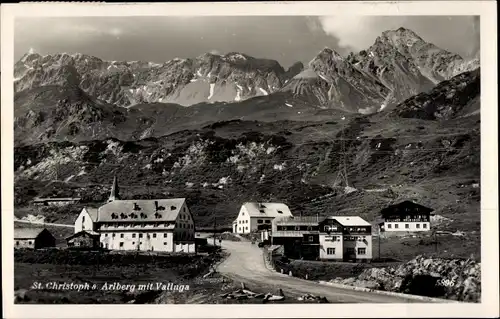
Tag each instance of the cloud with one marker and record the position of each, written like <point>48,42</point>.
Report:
<point>459,34</point>
<point>358,32</point>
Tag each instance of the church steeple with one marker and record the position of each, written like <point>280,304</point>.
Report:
<point>115,193</point>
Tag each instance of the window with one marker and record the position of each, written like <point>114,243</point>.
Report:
<point>121,235</point>
<point>83,219</point>
<point>350,250</point>
<point>407,226</point>
<point>239,221</point>
<point>121,244</point>
<point>268,221</point>
<point>259,221</point>
<point>424,225</point>
<point>133,243</point>
<point>246,228</point>
<point>330,251</point>
<point>140,235</point>
<point>17,243</point>
<point>389,226</point>
<point>113,235</point>
<point>30,242</point>
<point>239,228</point>
<point>154,235</point>
<point>165,235</point>
<point>327,228</point>
<point>396,226</point>
<point>105,235</point>
<point>133,235</point>
<point>280,212</point>
<point>310,238</point>
<point>418,225</point>
<point>361,251</point>
<point>165,243</point>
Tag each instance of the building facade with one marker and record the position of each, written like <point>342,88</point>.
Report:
<point>34,238</point>
<point>406,216</point>
<point>258,216</point>
<point>339,238</point>
<point>84,239</point>
<point>349,238</point>
<point>146,225</point>
<point>299,236</point>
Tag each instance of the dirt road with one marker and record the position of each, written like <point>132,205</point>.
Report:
<point>246,264</point>
<point>43,224</point>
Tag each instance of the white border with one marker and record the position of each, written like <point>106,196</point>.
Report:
<point>489,160</point>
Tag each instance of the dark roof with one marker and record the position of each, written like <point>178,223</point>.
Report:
<point>398,209</point>
<point>27,232</point>
<point>82,233</point>
<point>144,209</point>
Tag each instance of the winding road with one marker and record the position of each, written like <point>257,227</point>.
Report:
<point>246,264</point>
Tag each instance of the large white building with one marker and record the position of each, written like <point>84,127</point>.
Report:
<point>258,216</point>
<point>147,225</point>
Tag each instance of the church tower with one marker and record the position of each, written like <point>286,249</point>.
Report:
<point>115,194</point>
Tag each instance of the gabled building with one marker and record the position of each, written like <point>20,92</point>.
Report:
<point>258,216</point>
<point>146,225</point>
<point>34,238</point>
<point>345,238</point>
<point>405,216</point>
<point>84,239</point>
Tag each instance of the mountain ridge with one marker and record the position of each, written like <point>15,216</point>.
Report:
<point>398,65</point>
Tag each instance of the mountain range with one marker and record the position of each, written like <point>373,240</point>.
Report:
<point>398,65</point>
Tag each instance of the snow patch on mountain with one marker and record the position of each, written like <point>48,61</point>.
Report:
<point>212,87</point>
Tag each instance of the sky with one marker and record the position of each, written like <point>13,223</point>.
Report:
<point>287,39</point>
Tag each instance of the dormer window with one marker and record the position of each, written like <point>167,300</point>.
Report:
<point>173,208</point>
<point>114,216</point>
<point>143,215</point>
<point>123,216</point>
<point>157,215</point>
<point>262,211</point>
<point>136,207</point>
<point>280,212</point>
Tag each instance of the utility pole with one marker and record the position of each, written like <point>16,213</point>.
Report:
<point>342,174</point>
<point>215,219</point>
<point>379,234</point>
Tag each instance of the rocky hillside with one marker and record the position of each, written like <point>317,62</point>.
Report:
<point>458,279</point>
<point>221,164</point>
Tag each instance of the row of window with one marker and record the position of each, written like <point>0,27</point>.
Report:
<point>148,236</point>
<point>184,217</point>
<point>354,238</point>
<point>244,228</point>
<point>407,226</point>
<point>30,242</point>
<point>361,251</point>
<point>260,221</point>
<point>182,225</point>
<point>122,244</point>
<point>242,221</point>
<point>132,225</point>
